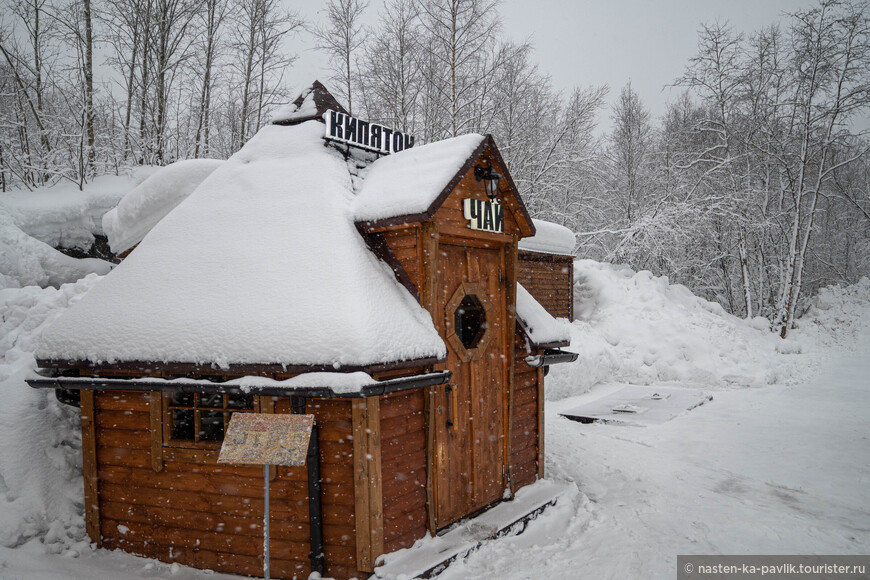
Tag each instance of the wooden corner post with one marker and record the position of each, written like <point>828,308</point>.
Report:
<point>510,258</point>
<point>429,239</point>
<point>89,467</point>
<point>368,490</point>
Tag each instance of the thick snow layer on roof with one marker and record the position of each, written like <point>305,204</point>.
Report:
<point>292,112</point>
<point>549,238</point>
<point>144,206</point>
<point>407,182</point>
<point>260,264</point>
<point>540,325</point>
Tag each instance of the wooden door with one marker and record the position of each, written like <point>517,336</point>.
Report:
<point>470,413</point>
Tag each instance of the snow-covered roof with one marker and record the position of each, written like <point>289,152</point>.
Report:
<point>408,182</point>
<point>261,264</point>
<point>149,202</point>
<point>549,238</point>
<point>539,325</point>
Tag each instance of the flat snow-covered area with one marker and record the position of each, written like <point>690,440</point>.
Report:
<point>777,462</point>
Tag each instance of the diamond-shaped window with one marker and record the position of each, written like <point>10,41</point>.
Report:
<point>469,320</point>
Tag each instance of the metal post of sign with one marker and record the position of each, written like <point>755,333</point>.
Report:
<point>266,439</point>
<point>266,521</point>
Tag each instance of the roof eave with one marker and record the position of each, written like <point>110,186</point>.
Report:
<point>181,369</point>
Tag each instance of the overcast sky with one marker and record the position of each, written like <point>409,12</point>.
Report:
<point>592,42</point>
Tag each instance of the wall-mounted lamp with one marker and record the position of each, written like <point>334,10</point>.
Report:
<point>490,180</point>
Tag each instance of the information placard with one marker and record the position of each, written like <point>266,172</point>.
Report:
<point>266,439</point>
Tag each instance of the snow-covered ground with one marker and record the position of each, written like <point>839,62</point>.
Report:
<point>777,462</point>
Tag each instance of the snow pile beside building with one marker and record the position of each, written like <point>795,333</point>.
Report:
<point>637,328</point>
<point>149,202</point>
<point>40,458</point>
<point>64,216</point>
<point>26,261</point>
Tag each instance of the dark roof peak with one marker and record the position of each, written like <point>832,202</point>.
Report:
<point>310,104</point>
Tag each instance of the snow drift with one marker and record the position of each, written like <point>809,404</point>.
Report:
<point>40,458</point>
<point>26,261</point>
<point>637,328</point>
<point>63,216</point>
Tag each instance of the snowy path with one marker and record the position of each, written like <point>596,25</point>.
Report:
<point>777,469</point>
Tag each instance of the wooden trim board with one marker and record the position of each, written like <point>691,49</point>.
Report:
<point>368,492</point>
<point>89,467</point>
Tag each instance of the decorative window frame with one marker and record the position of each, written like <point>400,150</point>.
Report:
<point>467,289</point>
<point>164,448</point>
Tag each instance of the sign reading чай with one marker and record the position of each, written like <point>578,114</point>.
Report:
<point>371,136</point>
<point>486,216</point>
<point>261,438</point>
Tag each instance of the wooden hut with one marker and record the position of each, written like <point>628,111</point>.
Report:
<point>377,293</point>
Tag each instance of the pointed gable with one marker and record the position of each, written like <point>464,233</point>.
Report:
<point>310,104</point>
<point>413,185</point>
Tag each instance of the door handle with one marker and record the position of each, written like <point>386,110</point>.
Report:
<point>452,406</point>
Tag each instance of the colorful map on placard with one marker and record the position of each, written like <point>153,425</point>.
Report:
<point>260,438</point>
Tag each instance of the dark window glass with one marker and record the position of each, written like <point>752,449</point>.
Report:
<point>211,426</point>
<point>203,417</point>
<point>470,321</point>
<point>183,424</point>
<point>240,401</point>
<point>213,401</point>
<point>182,399</point>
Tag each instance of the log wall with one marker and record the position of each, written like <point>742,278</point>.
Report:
<point>403,463</point>
<point>550,279</point>
<point>209,515</point>
<point>525,418</point>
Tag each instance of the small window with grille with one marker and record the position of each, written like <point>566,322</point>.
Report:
<point>199,419</point>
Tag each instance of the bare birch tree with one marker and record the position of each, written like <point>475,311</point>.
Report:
<point>340,37</point>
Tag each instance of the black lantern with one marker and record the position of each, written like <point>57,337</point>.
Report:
<point>490,180</point>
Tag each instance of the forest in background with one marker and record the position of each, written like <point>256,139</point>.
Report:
<point>753,189</point>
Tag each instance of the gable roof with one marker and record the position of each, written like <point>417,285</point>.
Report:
<point>302,289</point>
<point>411,185</point>
<point>309,105</point>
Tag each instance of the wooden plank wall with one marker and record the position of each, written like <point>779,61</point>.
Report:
<point>333,416</point>
<point>550,279</point>
<point>403,464</point>
<point>210,515</point>
<point>524,428</point>
<point>405,246</point>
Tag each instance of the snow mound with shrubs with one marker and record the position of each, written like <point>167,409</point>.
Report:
<point>26,261</point>
<point>65,216</point>
<point>636,328</point>
<point>40,458</point>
